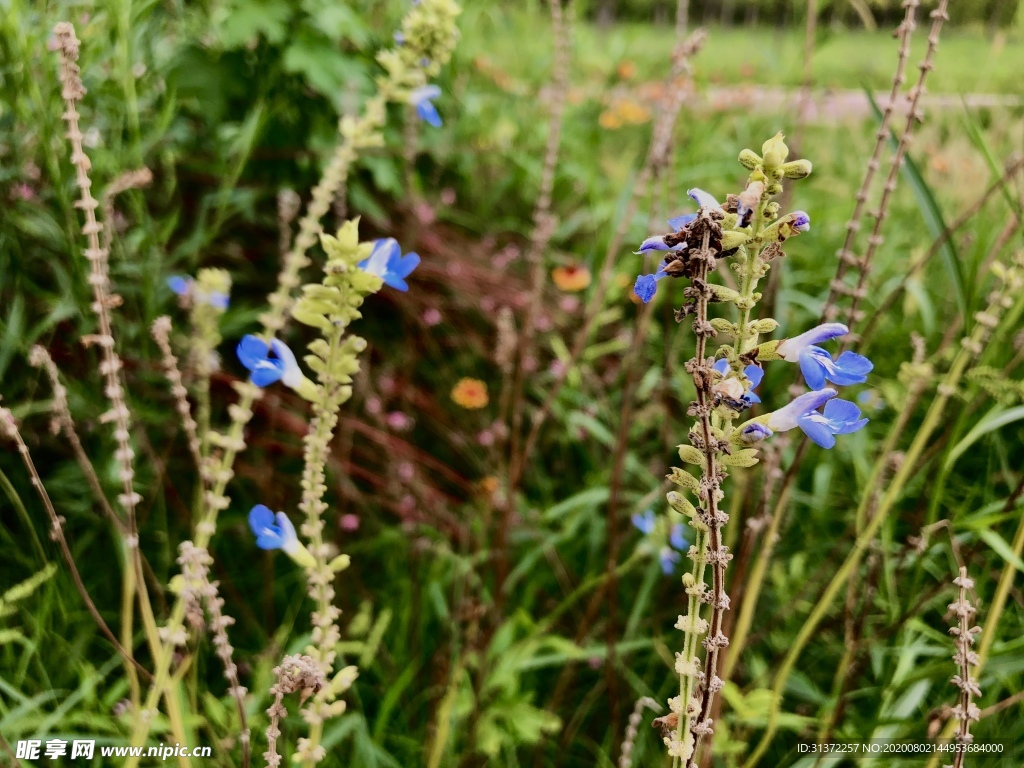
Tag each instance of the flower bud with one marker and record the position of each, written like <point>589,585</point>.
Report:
<point>774,152</point>
<point>796,169</point>
<point>680,504</point>
<point>733,239</point>
<point>769,350</point>
<point>749,159</point>
<point>340,563</point>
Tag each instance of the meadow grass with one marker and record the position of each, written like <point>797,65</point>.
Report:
<point>455,669</point>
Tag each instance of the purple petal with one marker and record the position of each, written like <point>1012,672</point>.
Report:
<point>679,222</point>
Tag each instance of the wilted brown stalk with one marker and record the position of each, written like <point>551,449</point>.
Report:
<point>656,157</point>
<point>543,230</point>
<point>914,116</point>
<point>965,711</point>
<point>9,429</point>
<point>625,420</point>
<point>845,254</point>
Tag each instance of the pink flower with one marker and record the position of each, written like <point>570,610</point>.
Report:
<point>398,421</point>
<point>23,192</point>
<point>431,316</point>
<point>349,522</point>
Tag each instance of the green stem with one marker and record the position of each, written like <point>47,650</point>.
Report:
<point>906,470</point>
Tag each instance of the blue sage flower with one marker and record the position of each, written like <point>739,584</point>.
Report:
<point>268,363</point>
<point>277,532</point>
<point>186,288</point>
<point>668,554</point>
<point>387,262</point>
<point>732,389</point>
<point>421,99</point>
<point>676,537</point>
<point>645,522</point>
<point>839,417</point>
<point>646,285</point>
<point>657,243</point>
<point>668,558</point>
<point>817,365</point>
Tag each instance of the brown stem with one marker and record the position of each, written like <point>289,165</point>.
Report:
<point>845,254</point>
<point>543,229</point>
<point>938,16</point>
<point>712,476</point>
<point>656,156</point>
<point>8,428</point>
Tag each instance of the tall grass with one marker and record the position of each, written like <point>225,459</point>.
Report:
<point>498,605</point>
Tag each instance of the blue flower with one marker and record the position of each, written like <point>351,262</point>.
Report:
<point>421,99</point>
<point>645,523</point>
<point>679,222</point>
<point>838,418</point>
<point>676,537</point>
<point>732,388</point>
<point>399,38</point>
<point>277,532</point>
<point>754,433</point>
<point>268,363</point>
<point>387,262</point>
<point>817,365</point>
<point>657,243</point>
<point>180,284</point>
<point>646,285</point>
<point>186,288</point>
<point>668,555</point>
<point>668,558</point>
<point>801,221</point>
<point>703,199</point>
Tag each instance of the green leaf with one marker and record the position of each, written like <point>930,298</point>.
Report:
<point>237,24</point>
<point>932,216</point>
<point>993,420</point>
<point>1001,548</point>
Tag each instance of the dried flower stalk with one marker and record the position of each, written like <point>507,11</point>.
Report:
<point>965,711</point>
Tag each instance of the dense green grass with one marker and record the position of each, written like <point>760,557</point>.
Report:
<point>972,61</point>
<point>517,677</point>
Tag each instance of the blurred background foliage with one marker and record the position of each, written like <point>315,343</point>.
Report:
<point>231,101</point>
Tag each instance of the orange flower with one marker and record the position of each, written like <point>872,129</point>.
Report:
<point>609,120</point>
<point>626,69</point>
<point>633,113</point>
<point>571,278</point>
<point>489,484</point>
<point>470,394</point>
